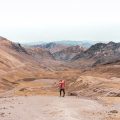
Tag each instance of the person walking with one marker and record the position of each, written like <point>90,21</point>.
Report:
<point>62,88</point>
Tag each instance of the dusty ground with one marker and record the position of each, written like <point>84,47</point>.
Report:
<point>55,108</point>
<point>49,108</point>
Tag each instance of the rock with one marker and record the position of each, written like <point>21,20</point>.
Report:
<point>114,94</point>
<point>113,111</point>
<point>2,114</point>
<point>73,93</point>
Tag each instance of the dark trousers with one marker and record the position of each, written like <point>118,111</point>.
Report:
<point>62,90</point>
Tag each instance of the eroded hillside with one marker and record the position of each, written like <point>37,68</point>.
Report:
<point>102,80</point>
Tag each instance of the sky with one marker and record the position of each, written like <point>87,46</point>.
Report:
<point>27,21</point>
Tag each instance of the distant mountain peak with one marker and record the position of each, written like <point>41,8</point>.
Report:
<point>83,43</point>
<point>97,46</point>
<point>111,43</point>
<point>50,45</point>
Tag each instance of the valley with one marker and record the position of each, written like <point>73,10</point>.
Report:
<point>32,74</point>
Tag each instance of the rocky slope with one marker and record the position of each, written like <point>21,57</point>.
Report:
<point>102,80</point>
<point>8,62</point>
<point>68,53</point>
<point>18,63</point>
<point>52,46</point>
<point>100,53</point>
<point>40,53</point>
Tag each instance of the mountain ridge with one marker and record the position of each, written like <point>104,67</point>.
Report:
<point>101,53</point>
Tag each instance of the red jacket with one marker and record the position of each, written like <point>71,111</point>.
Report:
<point>62,84</point>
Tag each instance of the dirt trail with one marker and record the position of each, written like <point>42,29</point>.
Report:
<point>50,108</point>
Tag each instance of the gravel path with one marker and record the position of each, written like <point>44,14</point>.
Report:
<point>50,108</point>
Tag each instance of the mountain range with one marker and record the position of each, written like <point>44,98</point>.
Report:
<point>83,43</point>
<point>53,61</point>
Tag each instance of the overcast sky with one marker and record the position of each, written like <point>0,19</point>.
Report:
<point>52,20</point>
